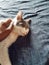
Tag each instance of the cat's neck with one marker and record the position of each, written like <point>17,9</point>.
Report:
<point>11,38</point>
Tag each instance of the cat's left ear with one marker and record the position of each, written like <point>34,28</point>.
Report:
<point>28,20</point>
<point>19,15</point>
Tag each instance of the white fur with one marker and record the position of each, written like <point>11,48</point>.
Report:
<point>15,21</point>
<point>10,39</point>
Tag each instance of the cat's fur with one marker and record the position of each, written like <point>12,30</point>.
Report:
<point>11,29</point>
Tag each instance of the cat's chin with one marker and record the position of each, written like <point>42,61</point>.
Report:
<point>24,34</point>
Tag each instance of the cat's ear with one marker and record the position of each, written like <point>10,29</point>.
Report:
<point>28,20</point>
<point>19,15</point>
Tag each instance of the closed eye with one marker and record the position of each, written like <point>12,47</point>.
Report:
<point>22,24</point>
<point>19,23</point>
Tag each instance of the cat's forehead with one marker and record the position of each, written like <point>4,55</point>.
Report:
<point>15,21</point>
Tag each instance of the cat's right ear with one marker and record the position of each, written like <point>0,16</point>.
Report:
<point>28,20</point>
<point>19,15</point>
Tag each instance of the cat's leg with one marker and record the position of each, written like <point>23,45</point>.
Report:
<point>4,57</point>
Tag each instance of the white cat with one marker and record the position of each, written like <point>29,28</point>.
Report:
<point>10,30</point>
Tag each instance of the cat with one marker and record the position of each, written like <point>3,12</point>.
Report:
<point>10,30</point>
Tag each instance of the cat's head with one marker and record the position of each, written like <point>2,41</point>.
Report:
<point>21,25</point>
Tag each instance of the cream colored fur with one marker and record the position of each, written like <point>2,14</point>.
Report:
<point>12,37</point>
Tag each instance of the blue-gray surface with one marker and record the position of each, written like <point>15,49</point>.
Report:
<point>34,48</point>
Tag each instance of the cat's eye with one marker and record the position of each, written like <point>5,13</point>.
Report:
<point>19,23</point>
<point>22,24</point>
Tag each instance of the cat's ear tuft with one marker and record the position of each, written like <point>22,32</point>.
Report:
<point>28,20</point>
<point>19,15</point>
